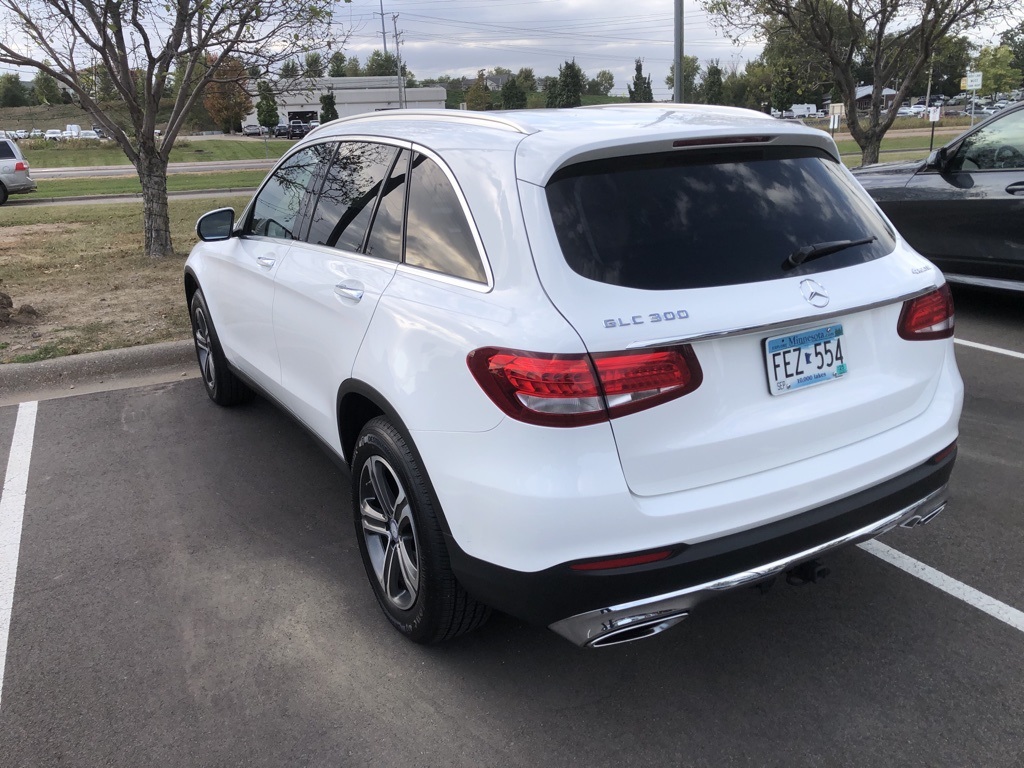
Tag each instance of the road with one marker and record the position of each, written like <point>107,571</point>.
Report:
<point>189,592</point>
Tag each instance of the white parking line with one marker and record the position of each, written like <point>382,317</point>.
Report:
<point>12,511</point>
<point>949,585</point>
<point>987,348</point>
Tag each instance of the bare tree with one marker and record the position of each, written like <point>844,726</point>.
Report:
<point>139,43</point>
<point>892,39</point>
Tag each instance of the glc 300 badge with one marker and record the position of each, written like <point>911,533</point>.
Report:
<point>650,317</point>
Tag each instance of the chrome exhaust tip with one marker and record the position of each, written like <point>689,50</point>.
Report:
<point>919,520</point>
<point>630,628</point>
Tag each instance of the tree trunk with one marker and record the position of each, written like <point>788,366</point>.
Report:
<point>869,151</point>
<point>152,169</point>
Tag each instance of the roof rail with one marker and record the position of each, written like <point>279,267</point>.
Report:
<point>448,115</point>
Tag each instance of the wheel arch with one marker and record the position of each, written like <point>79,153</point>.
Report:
<point>357,404</point>
<point>191,285</point>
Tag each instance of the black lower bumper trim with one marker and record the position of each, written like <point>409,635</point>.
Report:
<point>543,597</point>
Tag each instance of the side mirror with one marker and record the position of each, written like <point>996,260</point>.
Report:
<point>938,160</point>
<point>216,225</point>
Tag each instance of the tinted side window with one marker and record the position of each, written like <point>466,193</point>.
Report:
<point>275,212</point>
<point>351,185</point>
<point>6,150</point>
<point>998,145</point>
<point>702,219</point>
<point>386,234</point>
<point>438,236</point>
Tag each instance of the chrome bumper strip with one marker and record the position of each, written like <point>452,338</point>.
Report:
<point>588,629</point>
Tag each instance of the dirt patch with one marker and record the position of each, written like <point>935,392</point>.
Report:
<point>79,282</point>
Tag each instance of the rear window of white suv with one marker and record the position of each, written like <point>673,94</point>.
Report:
<point>704,218</point>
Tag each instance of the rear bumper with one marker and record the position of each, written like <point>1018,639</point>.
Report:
<point>21,186</point>
<point>590,608</point>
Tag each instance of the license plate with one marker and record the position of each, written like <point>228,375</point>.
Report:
<point>803,359</point>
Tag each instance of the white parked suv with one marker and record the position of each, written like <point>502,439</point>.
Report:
<point>588,367</point>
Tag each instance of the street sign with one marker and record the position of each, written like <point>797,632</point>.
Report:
<point>834,121</point>
<point>935,114</point>
<point>973,81</point>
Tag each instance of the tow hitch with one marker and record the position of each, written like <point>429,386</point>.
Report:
<point>810,572</point>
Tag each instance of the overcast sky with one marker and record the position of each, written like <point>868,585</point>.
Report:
<point>459,37</point>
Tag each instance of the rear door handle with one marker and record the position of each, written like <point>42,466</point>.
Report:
<point>265,261</point>
<point>1016,188</point>
<point>350,289</point>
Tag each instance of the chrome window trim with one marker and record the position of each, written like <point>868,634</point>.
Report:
<point>779,325</point>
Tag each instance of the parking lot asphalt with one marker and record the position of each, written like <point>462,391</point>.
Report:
<point>189,592</point>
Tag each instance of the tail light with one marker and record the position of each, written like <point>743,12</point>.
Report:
<point>928,317</point>
<point>574,390</point>
<point>21,166</point>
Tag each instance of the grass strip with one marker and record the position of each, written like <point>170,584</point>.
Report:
<point>125,185</point>
<point>82,271</point>
<point>78,154</point>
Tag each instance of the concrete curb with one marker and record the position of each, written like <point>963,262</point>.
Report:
<point>113,368</point>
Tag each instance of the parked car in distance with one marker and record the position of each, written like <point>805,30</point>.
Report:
<point>14,171</point>
<point>297,129</point>
<point>35,133</point>
<point>88,135</point>
<point>280,131</point>
<point>963,206</point>
<point>589,367</point>
<point>54,134</point>
<point>250,130</point>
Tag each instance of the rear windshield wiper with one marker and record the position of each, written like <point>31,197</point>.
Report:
<point>809,252</point>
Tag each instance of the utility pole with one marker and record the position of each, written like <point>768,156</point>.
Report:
<point>398,60</point>
<point>677,90</point>
<point>383,32</point>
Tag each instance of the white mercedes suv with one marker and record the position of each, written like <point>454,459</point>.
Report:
<point>588,367</point>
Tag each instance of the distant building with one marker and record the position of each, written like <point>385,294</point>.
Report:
<point>864,97</point>
<point>352,96</point>
<point>493,82</point>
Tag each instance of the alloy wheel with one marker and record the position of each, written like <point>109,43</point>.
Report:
<point>389,532</point>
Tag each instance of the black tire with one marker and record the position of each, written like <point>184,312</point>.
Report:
<point>401,542</point>
<point>222,385</point>
<point>3,194</point>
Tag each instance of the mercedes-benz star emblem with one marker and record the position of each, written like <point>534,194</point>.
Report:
<point>814,293</point>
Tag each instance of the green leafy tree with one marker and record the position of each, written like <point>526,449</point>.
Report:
<point>314,65</point>
<point>501,71</point>
<point>640,89</point>
<point>328,109</point>
<point>12,92</point>
<point>1013,39</point>
<point>512,95</point>
<point>548,83</point>
<point>949,62</point>
<point>527,80</point>
<point>710,89</point>
<point>997,72</point>
<point>568,92</point>
<point>266,107</point>
<point>478,97</point>
<point>336,65</point>
<point>290,70</point>
<point>379,63</point>
<point>602,84</point>
<point>691,74</point>
<point>46,89</point>
<point>892,40</point>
